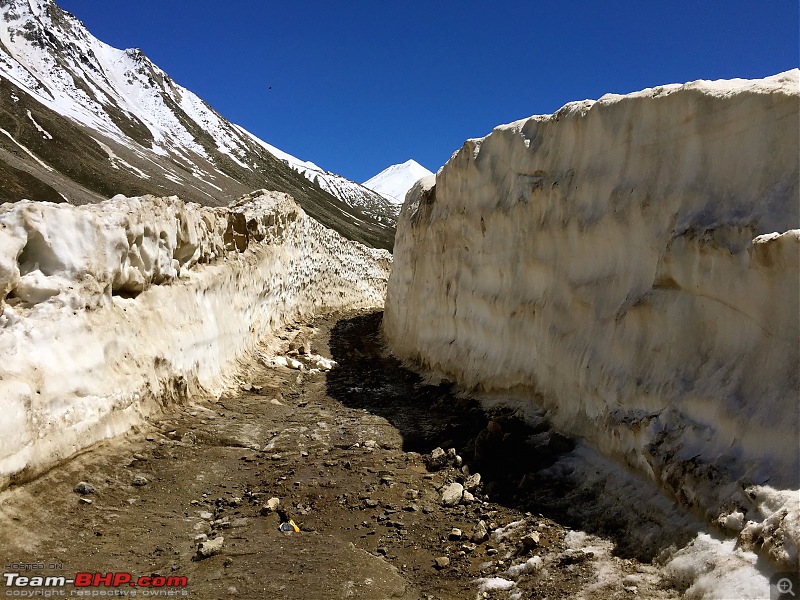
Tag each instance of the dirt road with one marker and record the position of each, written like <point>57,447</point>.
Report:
<point>347,453</point>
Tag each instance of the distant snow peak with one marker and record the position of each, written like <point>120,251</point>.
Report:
<point>393,182</point>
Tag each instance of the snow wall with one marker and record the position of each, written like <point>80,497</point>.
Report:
<point>112,310</point>
<point>631,266</point>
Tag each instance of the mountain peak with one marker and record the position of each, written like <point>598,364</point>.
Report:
<point>394,181</point>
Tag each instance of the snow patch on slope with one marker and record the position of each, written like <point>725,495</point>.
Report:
<point>631,265</point>
<point>110,310</point>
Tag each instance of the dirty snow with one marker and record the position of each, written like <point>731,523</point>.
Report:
<point>110,309</point>
<point>631,266</point>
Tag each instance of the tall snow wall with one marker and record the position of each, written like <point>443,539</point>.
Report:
<point>631,266</point>
<point>111,310</point>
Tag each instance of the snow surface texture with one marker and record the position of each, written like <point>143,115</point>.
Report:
<point>631,265</point>
<point>114,308</point>
<point>394,182</point>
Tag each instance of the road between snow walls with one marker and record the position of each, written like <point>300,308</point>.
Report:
<point>111,310</point>
<point>630,267</point>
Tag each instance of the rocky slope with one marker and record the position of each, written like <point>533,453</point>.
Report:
<point>631,266</point>
<point>113,309</point>
<point>81,121</point>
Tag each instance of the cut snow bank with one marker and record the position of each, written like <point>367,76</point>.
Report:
<point>111,309</point>
<point>631,265</point>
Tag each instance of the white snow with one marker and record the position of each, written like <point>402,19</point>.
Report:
<point>110,310</point>
<point>631,265</point>
<point>394,182</point>
<point>711,568</point>
<point>494,584</point>
<point>116,160</point>
<point>45,134</point>
<point>26,150</point>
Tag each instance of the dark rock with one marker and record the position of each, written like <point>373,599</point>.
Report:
<point>83,488</point>
<point>436,460</point>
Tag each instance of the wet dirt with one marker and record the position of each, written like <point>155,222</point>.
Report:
<point>348,454</point>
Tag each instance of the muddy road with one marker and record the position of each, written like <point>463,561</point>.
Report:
<point>359,459</point>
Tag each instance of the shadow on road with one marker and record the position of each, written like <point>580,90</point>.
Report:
<point>511,455</point>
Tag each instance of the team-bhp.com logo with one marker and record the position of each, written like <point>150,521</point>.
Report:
<point>95,584</point>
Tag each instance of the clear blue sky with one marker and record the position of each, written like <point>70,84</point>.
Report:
<point>359,85</point>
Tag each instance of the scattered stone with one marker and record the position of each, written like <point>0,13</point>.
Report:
<point>411,508</point>
<point>455,534</point>
<point>150,438</point>
<point>200,538</point>
<point>139,481</point>
<point>271,506</point>
<point>189,438</point>
<point>83,488</point>
<point>411,494</point>
<point>240,522</point>
<point>209,548</point>
<point>84,501</point>
<point>442,562</point>
<point>206,515</point>
<point>139,456</point>
<point>468,498</point>
<point>458,461</point>
<point>370,503</point>
<point>531,540</point>
<point>371,444</point>
<point>480,534</point>
<point>472,482</point>
<point>452,494</point>
<point>428,509</point>
<point>451,453</point>
<point>436,460</point>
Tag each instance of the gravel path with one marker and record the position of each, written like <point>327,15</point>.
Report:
<point>360,459</point>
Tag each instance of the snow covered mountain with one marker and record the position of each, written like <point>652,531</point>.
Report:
<point>356,195</point>
<point>81,121</point>
<point>393,182</point>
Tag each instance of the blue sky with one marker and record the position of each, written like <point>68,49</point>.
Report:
<point>358,85</point>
